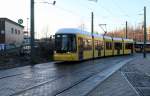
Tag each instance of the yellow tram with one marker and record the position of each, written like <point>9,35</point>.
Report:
<point>73,44</point>
<point>139,47</point>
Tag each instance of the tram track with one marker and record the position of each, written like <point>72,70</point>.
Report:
<point>46,82</point>
<point>73,84</point>
<point>83,69</point>
<point>81,64</point>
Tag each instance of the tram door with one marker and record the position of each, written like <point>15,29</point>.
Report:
<point>80,48</point>
<point>132,49</point>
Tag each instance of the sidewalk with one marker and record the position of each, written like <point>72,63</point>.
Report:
<point>133,79</point>
<point>137,73</point>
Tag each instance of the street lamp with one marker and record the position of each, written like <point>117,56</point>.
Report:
<point>54,2</point>
<point>32,29</point>
<point>92,30</point>
<point>145,33</point>
<point>92,26</point>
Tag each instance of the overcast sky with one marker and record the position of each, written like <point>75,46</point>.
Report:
<point>73,13</point>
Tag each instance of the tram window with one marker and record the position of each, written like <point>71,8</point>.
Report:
<point>80,41</point>
<point>65,43</point>
<point>137,46</point>
<point>108,45</point>
<point>128,46</point>
<point>87,44</point>
<point>99,45</point>
<point>73,43</point>
<point>57,36</point>
<point>96,44</point>
<point>147,46</point>
<point>118,45</point>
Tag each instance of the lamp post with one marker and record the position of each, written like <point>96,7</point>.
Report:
<point>145,33</point>
<point>32,29</point>
<point>92,30</point>
<point>126,29</point>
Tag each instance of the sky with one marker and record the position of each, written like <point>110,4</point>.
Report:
<point>76,14</point>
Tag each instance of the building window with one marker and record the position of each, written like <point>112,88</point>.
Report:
<point>16,31</point>
<point>12,30</point>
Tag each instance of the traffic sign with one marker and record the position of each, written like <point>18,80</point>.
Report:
<point>20,21</point>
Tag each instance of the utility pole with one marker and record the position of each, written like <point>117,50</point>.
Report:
<point>145,33</point>
<point>92,30</point>
<point>32,32</point>
<point>28,29</point>
<point>126,29</point>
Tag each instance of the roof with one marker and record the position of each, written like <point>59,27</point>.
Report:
<point>6,19</point>
<point>72,31</point>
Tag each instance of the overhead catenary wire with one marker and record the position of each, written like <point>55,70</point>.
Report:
<point>120,8</point>
<point>111,14</point>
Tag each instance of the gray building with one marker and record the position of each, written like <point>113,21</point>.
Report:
<point>11,32</point>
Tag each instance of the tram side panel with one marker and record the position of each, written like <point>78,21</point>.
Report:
<point>84,47</point>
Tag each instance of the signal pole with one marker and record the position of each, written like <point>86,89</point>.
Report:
<point>126,29</point>
<point>32,31</point>
<point>145,33</point>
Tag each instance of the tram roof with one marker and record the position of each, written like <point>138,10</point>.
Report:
<point>142,43</point>
<point>98,35</point>
<point>72,31</point>
<point>108,37</point>
<point>129,40</point>
<point>119,39</point>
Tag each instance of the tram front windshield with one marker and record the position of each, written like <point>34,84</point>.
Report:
<point>65,43</point>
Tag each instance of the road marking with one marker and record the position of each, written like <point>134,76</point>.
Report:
<point>130,83</point>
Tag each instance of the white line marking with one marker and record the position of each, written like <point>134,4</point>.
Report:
<point>129,83</point>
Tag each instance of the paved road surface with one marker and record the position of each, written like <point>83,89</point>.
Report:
<point>52,79</point>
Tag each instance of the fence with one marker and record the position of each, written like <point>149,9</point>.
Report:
<point>11,52</point>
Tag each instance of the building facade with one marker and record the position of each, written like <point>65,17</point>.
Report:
<point>11,32</point>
